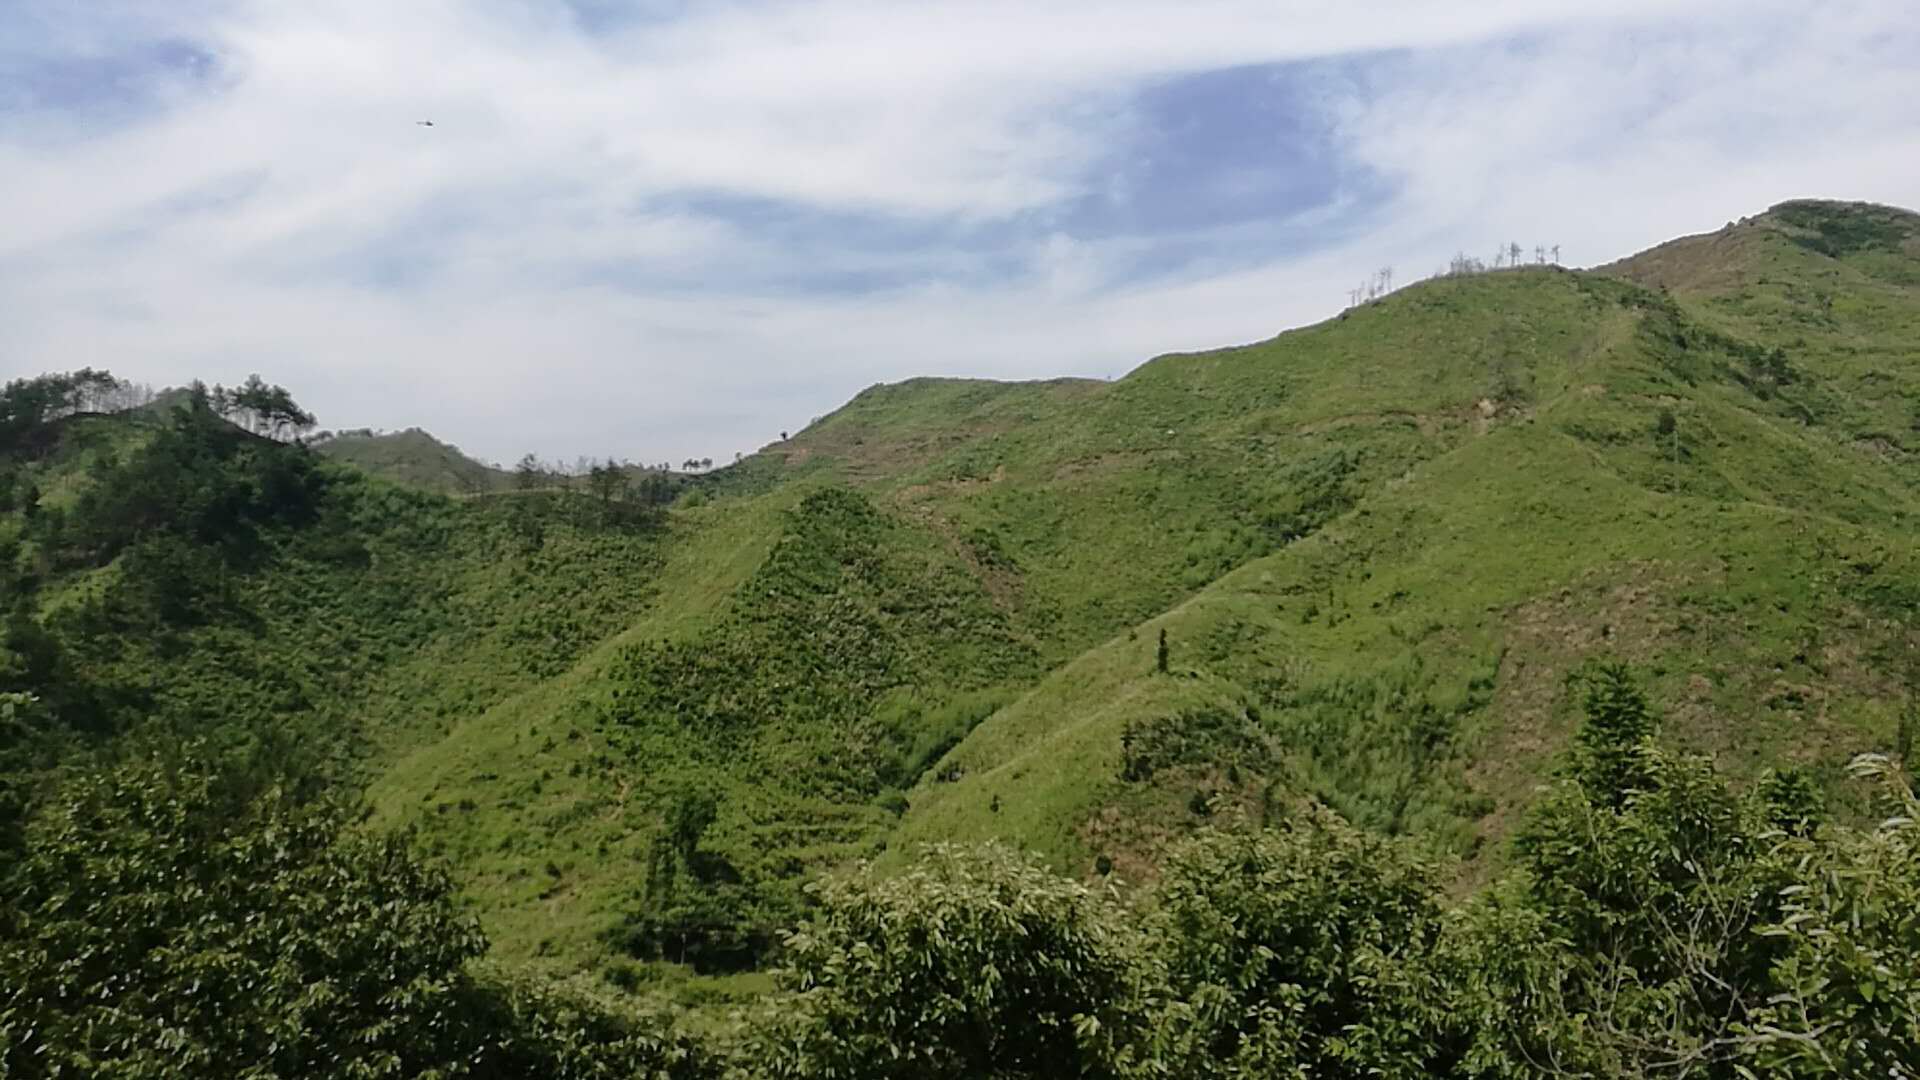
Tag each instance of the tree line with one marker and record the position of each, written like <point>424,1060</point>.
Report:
<point>28,406</point>
<point>1509,255</point>
<point>610,482</point>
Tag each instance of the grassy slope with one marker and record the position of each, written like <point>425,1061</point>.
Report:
<point>1759,567</point>
<point>481,793</point>
<point>1377,546</point>
<point>416,459</point>
<point>1388,537</point>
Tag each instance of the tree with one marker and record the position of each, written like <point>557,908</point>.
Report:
<point>1612,744</point>
<point>1659,880</point>
<point>262,409</point>
<point>656,488</point>
<point>1843,997</point>
<point>1295,952</point>
<point>1667,427</point>
<point>607,481</point>
<point>1160,654</point>
<point>696,908</point>
<point>527,474</point>
<point>170,917</point>
<point>26,405</point>
<point>165,923</point>
<point>1793,801</point>
<point>974,963</point>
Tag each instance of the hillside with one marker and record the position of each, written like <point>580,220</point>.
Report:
<point>1377,548</point>
<point>415,459</point>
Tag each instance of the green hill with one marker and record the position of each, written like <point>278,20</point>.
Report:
<point>415,459</point>
<point>1377,548</point>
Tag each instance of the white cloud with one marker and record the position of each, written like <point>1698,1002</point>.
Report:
<point>530,272</point>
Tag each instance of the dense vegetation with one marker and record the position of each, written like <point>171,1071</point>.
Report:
<point>1242,716</point>
<point>171,918</point>
<point>1658,923</point>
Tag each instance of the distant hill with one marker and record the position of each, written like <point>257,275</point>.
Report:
<point>416,459</point>
<point>1378,548</point>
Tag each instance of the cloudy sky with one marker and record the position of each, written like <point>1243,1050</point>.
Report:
<point>659,228</point>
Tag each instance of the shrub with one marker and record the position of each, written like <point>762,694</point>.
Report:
<point>974,963</point>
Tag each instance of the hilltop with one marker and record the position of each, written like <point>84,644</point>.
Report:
<point>1377,548</point>
<point>414,458</point>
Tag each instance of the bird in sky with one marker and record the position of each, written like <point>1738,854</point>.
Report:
<point>424,123</point>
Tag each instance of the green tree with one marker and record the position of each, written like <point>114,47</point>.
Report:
<point>607,481</point>
<point>1666,430</point>
<point>1844,993</point>
<point>1658,878</point>
<point>28,405</point>
<point>163,923</point>
<point>1793,800</point>
<point>168,918</point>
<point>695,907</point>
<point>263,409</point>
<point>1296,953</point>
<point>974,963</point>
<point>527,475</point>
<point>1613,743</point>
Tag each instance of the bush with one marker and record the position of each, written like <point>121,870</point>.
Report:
<point>1295,952</point>
<point>974,963</point>
<point>166,924</point>
<point>167,918</point>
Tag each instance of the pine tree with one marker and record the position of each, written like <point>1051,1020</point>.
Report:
<point>1612,743</point>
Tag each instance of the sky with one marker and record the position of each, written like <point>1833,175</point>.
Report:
<point>660,229</point>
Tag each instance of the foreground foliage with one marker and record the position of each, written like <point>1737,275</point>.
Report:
<point>167,919</point>
<point>1659,923</point>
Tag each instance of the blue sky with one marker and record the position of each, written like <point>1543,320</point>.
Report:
<point>661,229</point>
